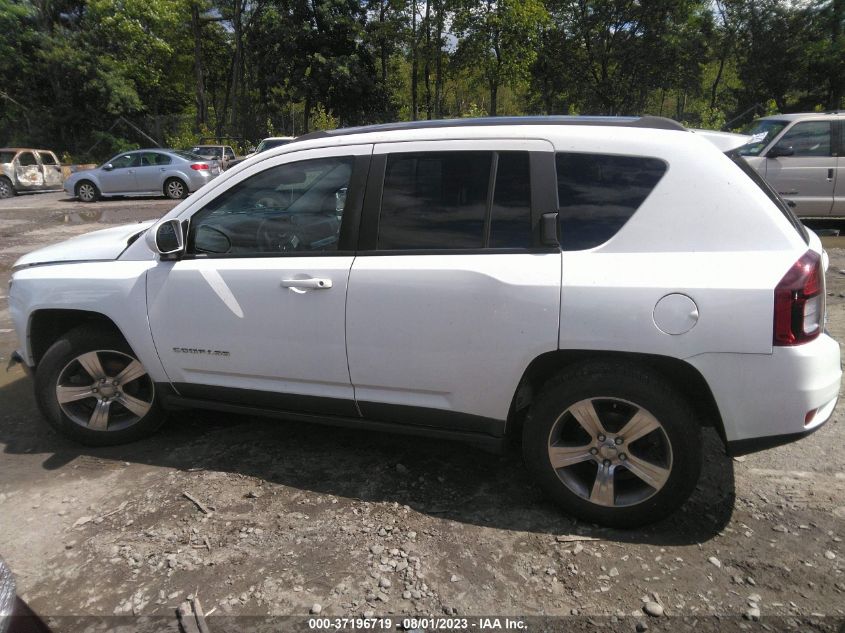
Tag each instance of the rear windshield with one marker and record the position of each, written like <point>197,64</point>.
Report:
<point>188,155</point>
<point>736,156</point>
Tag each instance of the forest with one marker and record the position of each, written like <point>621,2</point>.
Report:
<point>91,77</point>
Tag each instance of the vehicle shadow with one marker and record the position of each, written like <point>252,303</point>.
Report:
<point>438,478</point>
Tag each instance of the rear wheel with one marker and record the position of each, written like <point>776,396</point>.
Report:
<point>90,387</point>
<point>614,445</point>
<point>175,189</point>
<point>6,188</point>
<point>87,191</point>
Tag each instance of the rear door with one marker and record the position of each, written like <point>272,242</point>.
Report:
<point>149,175</point>
<point>28,172</point>
<point>805,178</point>
<point>451,294</point>
<point>51,169</point>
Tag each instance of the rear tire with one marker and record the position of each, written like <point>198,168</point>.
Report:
<point>91,388</point>
<point>625,445</point>
<point>6,188</point>
<point>87,191</point>
<point>175,189</point>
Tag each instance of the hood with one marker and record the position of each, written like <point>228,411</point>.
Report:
<point>103,245</point>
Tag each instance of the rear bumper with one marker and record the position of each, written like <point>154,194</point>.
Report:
<point>766,400</point>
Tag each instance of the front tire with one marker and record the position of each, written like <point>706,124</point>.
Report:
<point>91,388</point>
<point>87,191</point>
<point>175,189</point>
<point>613,444</point>
<point>6,188</point>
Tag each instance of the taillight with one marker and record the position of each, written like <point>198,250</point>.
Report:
<point>799,302</point>
<point>200,166</point>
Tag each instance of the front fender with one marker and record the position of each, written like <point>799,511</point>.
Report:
<point>116,289</point>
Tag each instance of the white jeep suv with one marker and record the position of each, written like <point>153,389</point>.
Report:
<point>603,287</point>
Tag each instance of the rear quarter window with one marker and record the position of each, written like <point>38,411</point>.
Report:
<point>598,194</point>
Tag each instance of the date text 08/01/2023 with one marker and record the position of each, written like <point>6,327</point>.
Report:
<point>419,623</point>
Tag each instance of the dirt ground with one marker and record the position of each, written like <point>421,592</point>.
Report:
<point>346,523</point>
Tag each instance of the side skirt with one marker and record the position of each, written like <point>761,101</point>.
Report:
<point>494,444</point>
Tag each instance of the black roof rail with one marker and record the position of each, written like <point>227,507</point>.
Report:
<point>652,122</point>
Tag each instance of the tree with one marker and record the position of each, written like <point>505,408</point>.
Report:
<point>499,37</point>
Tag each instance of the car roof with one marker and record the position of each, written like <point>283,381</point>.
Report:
<point>653,122</point>
<point>279,138</point>
<point>800,116</point>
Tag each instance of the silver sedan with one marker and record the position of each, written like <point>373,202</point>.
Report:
<point>145,172</point>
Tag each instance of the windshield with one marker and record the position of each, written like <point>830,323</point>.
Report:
<point>269,143</point>
<point>762,133</point>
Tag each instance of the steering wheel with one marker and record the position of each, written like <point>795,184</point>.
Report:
<point>278,235</point>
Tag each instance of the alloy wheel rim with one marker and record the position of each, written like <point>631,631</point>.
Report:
<point>610,452</point>
<point>86,192</point>
<point>5,190</point>
<point>105,390</point>
<point>176,189</point>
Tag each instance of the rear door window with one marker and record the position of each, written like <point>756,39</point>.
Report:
<point>598,194</point>
<point>443,201</point>
<point>25,159</point>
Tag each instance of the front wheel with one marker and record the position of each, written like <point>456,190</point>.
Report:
<point>87,191</point>
<point>613,444</point>
<point>91,388</point>
<point>175,189</point>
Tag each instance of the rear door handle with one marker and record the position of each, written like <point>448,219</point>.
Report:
<point>830,175</point>
<point>307,284</point>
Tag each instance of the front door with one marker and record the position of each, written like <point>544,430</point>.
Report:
<point>806,177</point>
<point>254,313</point>
<point>52,170</point>
<point>119,175</point>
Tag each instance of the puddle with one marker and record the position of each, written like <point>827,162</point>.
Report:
<point>90,216</point>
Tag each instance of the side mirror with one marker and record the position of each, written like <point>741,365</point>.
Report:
<point>780,150</point>
<point>166,238</point>
<point>108,167</point>
<point>549,235</point>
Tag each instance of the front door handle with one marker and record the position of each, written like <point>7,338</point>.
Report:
<point>830,175</point>
<point>307,284</point>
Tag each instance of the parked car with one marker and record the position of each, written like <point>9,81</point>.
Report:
<point>601,288</point>
<point>146,172</point>
<point>24,170</point>
<point>223,154</point>
<point>801,155</point>
<point>263,146</point>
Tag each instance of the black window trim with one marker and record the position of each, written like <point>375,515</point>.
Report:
<point>349,225</point>
<point>543,200</point>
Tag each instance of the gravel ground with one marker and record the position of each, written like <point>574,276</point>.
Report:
<point>307,519</point>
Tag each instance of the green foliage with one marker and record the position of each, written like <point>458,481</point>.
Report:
<point>84,76</point>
